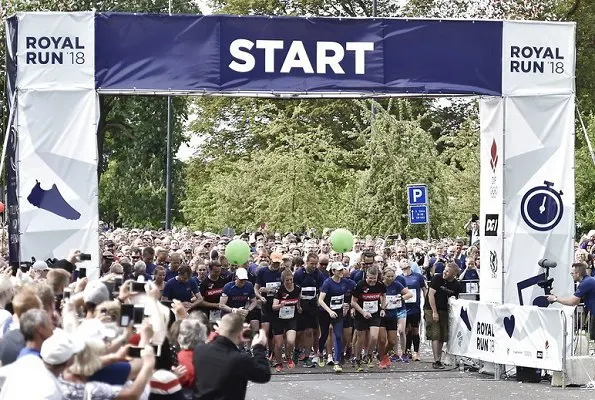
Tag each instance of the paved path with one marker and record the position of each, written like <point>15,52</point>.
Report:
<point>413,381</point>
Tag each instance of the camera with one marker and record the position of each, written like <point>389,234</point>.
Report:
<point>547,283</point>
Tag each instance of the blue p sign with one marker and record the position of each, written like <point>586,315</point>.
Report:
<point>417,194</point>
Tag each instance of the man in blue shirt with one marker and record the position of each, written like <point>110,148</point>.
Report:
<point>182,288</point>
<point>238,296</point>
<point>585,292</point>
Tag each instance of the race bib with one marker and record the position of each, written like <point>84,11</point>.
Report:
<point>472,287</point>
<point>413,298</point>
<point>393,302</point>
<point>286,312</point>
<point>308,293</point>
<point>274,286</point>
<point>370,306</point>
<point>337,302</point>
<point>214,315</point>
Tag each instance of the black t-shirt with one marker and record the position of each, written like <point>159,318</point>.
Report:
<point>444,289</point>
<point>289,301</point>
<point>211,290</point>
<point>368,297</point>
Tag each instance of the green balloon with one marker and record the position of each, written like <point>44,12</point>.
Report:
<point>237,252</point>
<point>341,240</point>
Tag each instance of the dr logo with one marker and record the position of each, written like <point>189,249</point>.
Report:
<point>542,207</point>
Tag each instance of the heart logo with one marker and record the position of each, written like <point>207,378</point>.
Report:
<point>509,325</point>
<point>465,318</point>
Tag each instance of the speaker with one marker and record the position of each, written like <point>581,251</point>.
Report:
<point>528,375</point>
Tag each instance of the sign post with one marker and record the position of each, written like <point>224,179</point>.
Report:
<point>419,205</point>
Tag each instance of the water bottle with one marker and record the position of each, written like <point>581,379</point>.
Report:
<point>461,366</point>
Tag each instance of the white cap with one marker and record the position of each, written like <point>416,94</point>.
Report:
<point>241,273</point>
<point>94,329</point>
<point>58,348</point>
<point>335,265</point>
<point>40,266</point>
<point>95,292</point>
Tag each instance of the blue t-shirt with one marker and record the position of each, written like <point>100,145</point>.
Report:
<point>266,276</point>
<point>169,274</point>
<point>336,293</point>
<point>150,269</point>
<point>113,374</point>
<point>415,282</point>
<point>470,275</point>
<point>237,297</point>
<point>393,297</point>
<point>586,291</point>
<point>357,275</point>
<point>174,289</point>
<point>310,284</point>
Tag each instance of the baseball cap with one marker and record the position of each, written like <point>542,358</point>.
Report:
<point>58,348</point>
<point>95,292</point>
<point>276,257</point>
<point>335,265</point>
<point>241,273</point>
<point>39,266</point>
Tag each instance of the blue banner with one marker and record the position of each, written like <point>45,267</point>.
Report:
<point>228,54</point>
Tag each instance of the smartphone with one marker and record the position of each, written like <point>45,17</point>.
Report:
<point>138,315</point>
<point>85,257</point>
<point>82,273</point>
<point>134,352</point>
<point>117,283</point>
<point>126,314</point>
<point>25,267</point>
<point>138,287</point>
<point>66,294</point>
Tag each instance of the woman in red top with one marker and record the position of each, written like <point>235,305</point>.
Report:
<point>192,333</point>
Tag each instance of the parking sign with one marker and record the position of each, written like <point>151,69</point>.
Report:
<point>417,195</point>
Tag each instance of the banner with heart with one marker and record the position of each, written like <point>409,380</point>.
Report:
<point>506,334</point>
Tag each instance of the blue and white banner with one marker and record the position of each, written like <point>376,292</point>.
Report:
<point>507,334</point>
<point>57,112</point>
<point>64,59</point>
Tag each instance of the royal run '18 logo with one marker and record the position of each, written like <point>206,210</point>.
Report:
<point>536,59</point>
<point>54,50</point>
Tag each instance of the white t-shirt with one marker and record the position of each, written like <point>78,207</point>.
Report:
<point>28,378</point>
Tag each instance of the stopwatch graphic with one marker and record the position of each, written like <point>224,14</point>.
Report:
<point>542,208</point>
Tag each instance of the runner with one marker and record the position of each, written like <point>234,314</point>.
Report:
<point>238,296</point>
<point>309,278</point>
<point>268,281</point>
<point>211,289</point>
<point>417,286</point>
<point>396,293</point>
<point>368,300</point>
<point>332,301</point>
<point>287,306</point>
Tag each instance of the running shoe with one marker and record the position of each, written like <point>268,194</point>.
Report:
<point>382,364</point>
<point>329,360</point>
<point>358,366</point>
<point>321,362</point>
<point>290,364</point>
<point>404,359</point>
<point>308,363</point>
<point>279,367</point>
<point>315,359</point>
<point>437,365</point>
<point>370,362</point>
<point>395,358</point>
<point>337,368</point>
<point>415,356</point>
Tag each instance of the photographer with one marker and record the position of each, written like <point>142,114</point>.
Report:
<point>585,291</point>
<point>222,371</point>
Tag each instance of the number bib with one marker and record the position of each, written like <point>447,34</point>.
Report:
<point>274,286</point>
<point>337,302</point>
<point>393,302</point>
<point>214,315</point>
<point>370,306</point>
<point>413,298</point>
<point>287,312</point>
<point>472,287</point>
<point>308,293</point>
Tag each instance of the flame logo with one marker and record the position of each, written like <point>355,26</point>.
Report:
<point>494,156</point>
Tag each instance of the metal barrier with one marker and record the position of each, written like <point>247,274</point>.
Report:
<point>471,289</point>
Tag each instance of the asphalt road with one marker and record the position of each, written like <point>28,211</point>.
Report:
<point>414,381</point>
